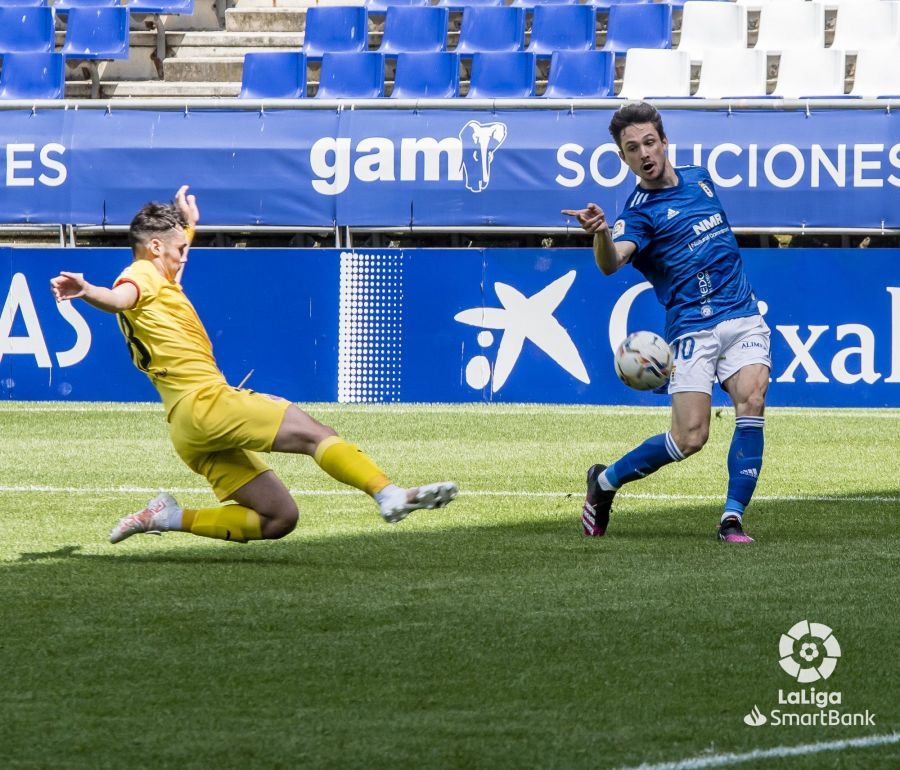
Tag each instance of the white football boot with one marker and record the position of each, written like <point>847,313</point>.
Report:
<point>397,504</point>
<point>153,520</point>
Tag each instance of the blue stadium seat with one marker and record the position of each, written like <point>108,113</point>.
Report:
<point>461,5</point>
<point>605,5</point>
<point>562,28</point>
<point>274,75</point>
<point>379,7</point>
<point>64,6</point>
<point>26,30</point>
<point>23,3</point>
<point>97,33</point>
<point>338,28</point>
<point>351,75</point>
<point>532,4</point>
<point>32,76</point>
<point>641,25</point>
<point>168,7</point>
<point>581,74</point>
<point>502,74</point>
<point>432,75</point>
<point>487,28</point>
<point>408,29</point>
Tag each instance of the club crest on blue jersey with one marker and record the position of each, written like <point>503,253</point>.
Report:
<point>618,228</point>
<point>706,188</point>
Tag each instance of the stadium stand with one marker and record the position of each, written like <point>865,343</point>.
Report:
<point>26,30</point>
<point>64,6</point>
<point>32,76</point>
<point>94,33</point>
<point>274,75</point>
<point>351,74</point>
<point>487,28</point>
<point>157,9</point>
<point>430,75</point>
<point>562,28</point>
<point>641,25</point>
<point>461,5</point>
<point>502,74</point>
<point>811,72</point>
<point>654,72</point>
<point>379,7</point>
<point>581,74</point>
<point>708,25</point>
<point>733,73</point>
<point>409,29</point>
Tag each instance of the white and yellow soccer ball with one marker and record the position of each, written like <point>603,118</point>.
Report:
<point>644,361</point>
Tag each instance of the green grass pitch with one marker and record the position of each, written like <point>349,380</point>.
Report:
<point>490,634</point>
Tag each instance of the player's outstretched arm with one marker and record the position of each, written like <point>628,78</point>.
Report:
<point>69,286</point>
<point>187,205</point>
<point>608,255</point>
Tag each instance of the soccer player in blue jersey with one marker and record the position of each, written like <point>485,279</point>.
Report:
<point>673,230</point>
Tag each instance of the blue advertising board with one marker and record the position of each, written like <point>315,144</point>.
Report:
<point>505,325</point>
<point>433,167</point>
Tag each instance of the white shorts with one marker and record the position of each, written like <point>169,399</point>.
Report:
<point>702,357</point>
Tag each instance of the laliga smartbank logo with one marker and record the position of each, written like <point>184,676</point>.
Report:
<point>808,652</point>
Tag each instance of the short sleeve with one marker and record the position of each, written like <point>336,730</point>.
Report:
<point>144,277</point>
<point>632,226</point>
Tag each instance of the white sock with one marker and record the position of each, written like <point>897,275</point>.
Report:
<point>604,483</point>
<point>731,515</point>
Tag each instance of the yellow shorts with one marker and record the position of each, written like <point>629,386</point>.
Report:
<point>218,430</point>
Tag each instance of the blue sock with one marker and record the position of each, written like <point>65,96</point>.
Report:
<point>650,456</point>
<point>744,463</point>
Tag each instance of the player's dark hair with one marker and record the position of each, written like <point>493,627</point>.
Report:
<point>635,112</point>
<point>154,220</point>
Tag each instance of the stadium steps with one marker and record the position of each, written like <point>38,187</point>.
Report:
<point>265,20</point>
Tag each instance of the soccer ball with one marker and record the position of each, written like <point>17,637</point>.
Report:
<point>644,361</point>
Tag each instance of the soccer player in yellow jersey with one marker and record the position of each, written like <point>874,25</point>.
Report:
<point>218,429</point>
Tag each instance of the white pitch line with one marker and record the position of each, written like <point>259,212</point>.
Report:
<point>45,489</point>
<point>724,760</point>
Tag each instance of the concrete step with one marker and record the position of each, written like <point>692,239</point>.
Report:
<point>210,69</point>
<point>265,20</point>
<point>153,89</point>
<point>177,40</point>
<point>201,52</point>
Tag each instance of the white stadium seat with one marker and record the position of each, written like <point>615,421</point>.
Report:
<point>791,24</point>
<point>733,73</point>
<point>707,25</point>
<point>866,25</point>
<point>656,72</point>
<point>810,73</point>
<point>877,73</point>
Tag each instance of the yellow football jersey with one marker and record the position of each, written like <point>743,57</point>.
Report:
<point>165,335</point>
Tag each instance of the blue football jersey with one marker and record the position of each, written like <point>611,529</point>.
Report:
<point>686,250</point>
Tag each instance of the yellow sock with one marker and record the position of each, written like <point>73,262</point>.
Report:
<point>227,522</point>
<point>350,465</point>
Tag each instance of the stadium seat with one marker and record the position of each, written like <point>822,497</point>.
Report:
<point>707,25</point>
<point>639,25</point>
<point>355,74</point>
<point>810,72</point>
<point>337,28</point>
<point>867,25</point>
<point>605,5</point>
<point>97,33</point>
<point>530,5</point>
<point>791,24</point>
<point>431,75</point>
<point>653,72</point>
<point>461,5</point>
<point>562,28</point>
<point>379,7</point>
<point>502,74</point>
<point>733,73</point>
<point>274,75</point>
<point>877,73</point>
<point>581,74</point>
<point>23,3</point>
<point>32,76</point>
<point>408,29</point>
<point>158,9</point>
<point>64,6</point>
<point>26,30</point>
<point>487,28</point>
